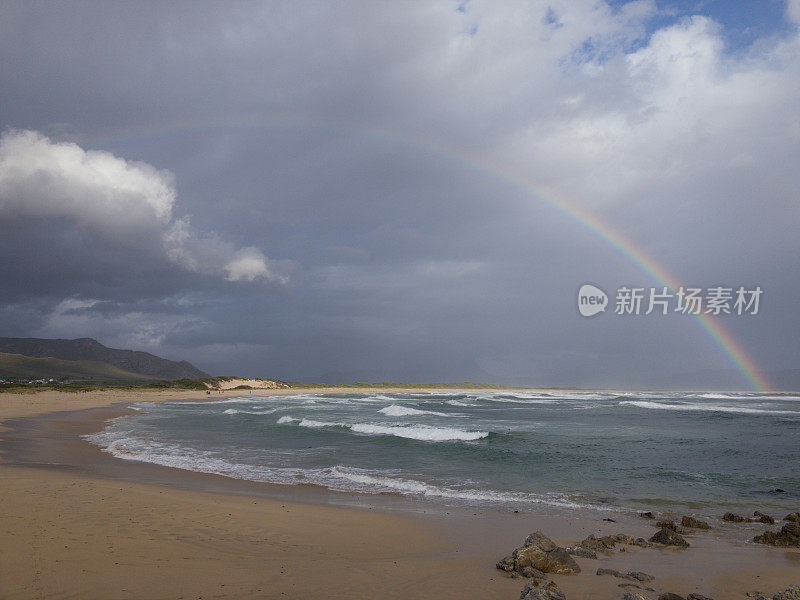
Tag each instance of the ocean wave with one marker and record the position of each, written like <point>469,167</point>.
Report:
<point>457,403</point>
<point>395,410</point>
<point>238,411</point>
<point>706,408</point>
<point>369,481</point>
<point>425,433</point>
<point>124,445</point>
<point>420,432</point>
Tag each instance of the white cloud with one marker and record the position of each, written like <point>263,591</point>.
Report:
<point>793,11</point>
<point>117,201</point>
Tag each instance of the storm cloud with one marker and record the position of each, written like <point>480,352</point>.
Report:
<point>389,191</point>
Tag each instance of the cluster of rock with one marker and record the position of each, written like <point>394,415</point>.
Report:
<point>692,523</point>
<point>539,557</point>
<point>536,559</point>
<point>589,547</point>
<point>790,593</point>
<point>758,517</point>
<point>788,536</point>
<point>669,537</point>
<point>539,553</point>
<point>541,589</point>
<point>637,577</point>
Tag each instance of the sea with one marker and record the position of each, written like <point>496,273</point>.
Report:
<point>526,451</point>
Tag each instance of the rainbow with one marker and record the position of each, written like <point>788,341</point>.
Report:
<point>721,337</point>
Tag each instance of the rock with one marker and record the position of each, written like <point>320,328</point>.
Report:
<point>612,572</point>
<point>788,536</point>
<point>647,515</point>
<point>668,525</point>
<point>635,596</point>
<point>697,597</point>
<point>762,518</point>
<point>542,554</point>
<point>623,538</point>
<point>734,518</point>
<point>544,589</point>
<point>790,593</point>
<point>638,587</point>
<point>556,561</point>
<point>795,516</point>
<point>669,538</point>
<point>756,596</point>
<point>545,594</point>
<point>609,520</point>
<point>506,564</point>
<point>606,543</point>
<point>541,541</point>
<point>581,552</point>
<point>670,596</point>
<point>530,572</point>
<point>630,575</point>
<point>693,523</point>
<point>643,543</point>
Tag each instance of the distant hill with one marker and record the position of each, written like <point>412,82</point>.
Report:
<point>87,349</point>
<point>27,367</point>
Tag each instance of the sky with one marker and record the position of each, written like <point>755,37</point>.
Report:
<point>406,191</point>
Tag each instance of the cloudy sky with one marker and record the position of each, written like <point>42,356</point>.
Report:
<point>404,191</point>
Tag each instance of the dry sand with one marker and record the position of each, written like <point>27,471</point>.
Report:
<point>76,523</point>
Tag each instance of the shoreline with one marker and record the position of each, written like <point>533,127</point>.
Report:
<point>375,544</point>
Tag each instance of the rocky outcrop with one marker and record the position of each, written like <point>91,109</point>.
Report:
<point>669,538</point>
<point>788,536</point>
<point>630,575</point>
<point>540,553</point>
<point>541,589</point>
<point>795,516</point>
<point>734,518</point>
<point>692,523</point>
<point>581,552</point>
<point>589,547</point>
<point>668,525</point>
<point>762,518</point>
<point>635,596</point>
<point>790,593</point>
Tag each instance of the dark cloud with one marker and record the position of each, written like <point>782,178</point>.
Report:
<point>378,191</point>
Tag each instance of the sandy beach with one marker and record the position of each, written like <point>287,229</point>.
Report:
<point>79,523</point>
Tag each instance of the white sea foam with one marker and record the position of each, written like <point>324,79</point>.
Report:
<point>396,410</point>
<point>125,445</point>
<point>457,403</point>
<point>420,432</point>
<point>706,408</point>
<point>427,433</point>
<point>317,424</point>
<point>369,481</point>
<point>239,411</point>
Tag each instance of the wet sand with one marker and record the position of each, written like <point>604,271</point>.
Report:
<point>76,522</point>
